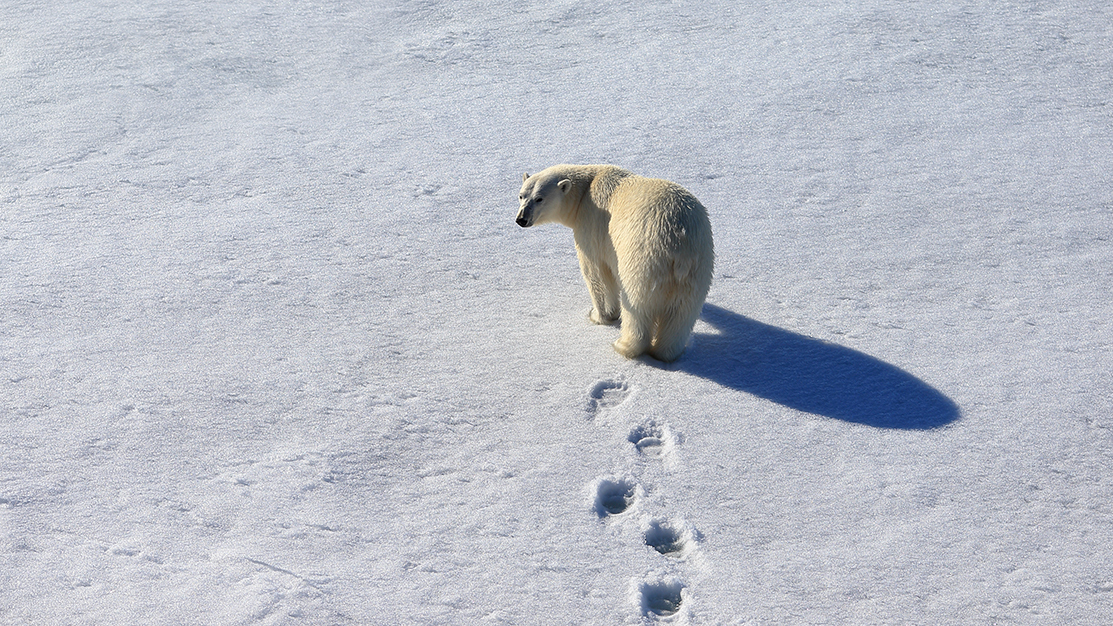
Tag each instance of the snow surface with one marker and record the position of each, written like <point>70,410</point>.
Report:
<point>273,351</point>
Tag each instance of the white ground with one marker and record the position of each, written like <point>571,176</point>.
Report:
<point>272,350</point>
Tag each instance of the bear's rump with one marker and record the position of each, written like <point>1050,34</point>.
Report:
<point>659,232</point>
<point>653,278</point>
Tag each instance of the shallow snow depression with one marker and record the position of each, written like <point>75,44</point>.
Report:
<point>272,349</point>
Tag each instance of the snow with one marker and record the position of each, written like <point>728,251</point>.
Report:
<point>273,350</point>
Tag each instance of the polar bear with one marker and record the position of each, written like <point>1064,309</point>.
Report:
<point>644,246</point>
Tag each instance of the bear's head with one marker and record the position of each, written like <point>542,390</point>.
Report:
<point>541,198</point>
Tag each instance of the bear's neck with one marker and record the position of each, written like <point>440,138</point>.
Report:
<point>592,186</point>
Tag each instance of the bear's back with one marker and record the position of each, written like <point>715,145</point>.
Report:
<point>654,204</point>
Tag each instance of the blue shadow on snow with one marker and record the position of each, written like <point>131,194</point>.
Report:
<point>811,375</point>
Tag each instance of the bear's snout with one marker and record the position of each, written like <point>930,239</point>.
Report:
<point>522,220</point>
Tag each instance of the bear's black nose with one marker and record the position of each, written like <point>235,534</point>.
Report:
<point>522,221</point>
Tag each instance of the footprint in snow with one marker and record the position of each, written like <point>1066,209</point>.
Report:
<point>606,394</point>
<point>661,598</point>
<point>653,441</point>
<point>669,537</point>
<point>615,497</point>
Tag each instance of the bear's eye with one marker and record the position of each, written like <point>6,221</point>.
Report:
<point>539,200</point>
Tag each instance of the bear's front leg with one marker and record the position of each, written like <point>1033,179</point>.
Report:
<point>596,318</point>
<point>603,288</point>
<point>604,298</point>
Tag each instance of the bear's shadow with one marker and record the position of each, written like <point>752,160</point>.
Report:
<point>811,375</point>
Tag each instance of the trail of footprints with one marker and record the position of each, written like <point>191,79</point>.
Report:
<point>659,597</point>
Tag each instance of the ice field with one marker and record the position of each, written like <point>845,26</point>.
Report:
<point>273,351</point>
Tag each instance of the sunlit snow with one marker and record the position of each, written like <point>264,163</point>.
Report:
<point>273,351</point>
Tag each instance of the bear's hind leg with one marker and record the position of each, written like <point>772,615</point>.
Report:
<point>673,328</point>
<point>637,333</point>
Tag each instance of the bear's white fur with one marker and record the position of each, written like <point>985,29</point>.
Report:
<point>644,246</point>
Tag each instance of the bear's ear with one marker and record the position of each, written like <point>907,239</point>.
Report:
<point>525,175</point>
<point>564,185</point>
